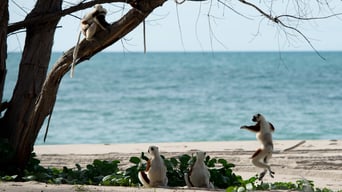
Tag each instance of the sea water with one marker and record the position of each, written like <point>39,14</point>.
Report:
<point>173,97</point>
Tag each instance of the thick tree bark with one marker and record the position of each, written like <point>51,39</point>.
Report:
<point>35,93</point>
<point>87,49</point>
<point>51,16</point>
<point>32,73</point>
<point>3,46</point>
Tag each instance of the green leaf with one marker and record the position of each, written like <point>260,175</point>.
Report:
<point>174,161</point>
<point>9,178</point>
<point>144,157</point>
<point>231,189</point>
<point>29,178</point>
<point>212,162</point>
<point>78,167</point>
<point>184,159</point>
<point>134,160</point>
<point>222,161</point>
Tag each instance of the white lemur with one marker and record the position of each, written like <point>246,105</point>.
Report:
<point>94,21</point>
<point>199,175</point>
<point>155,173</point>
<point>263,130</point>
<point>91,23</point>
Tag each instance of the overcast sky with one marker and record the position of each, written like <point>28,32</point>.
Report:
<point>187,27</point>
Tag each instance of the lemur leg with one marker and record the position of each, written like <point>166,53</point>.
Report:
<point>259,159</point>
<point>89,34</point>
<point>269,156</point>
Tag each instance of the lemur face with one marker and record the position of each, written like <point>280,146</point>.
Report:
<point>152,149</point>
<point>100,9</point>
<point>256,117</point>
<point>200,155</point>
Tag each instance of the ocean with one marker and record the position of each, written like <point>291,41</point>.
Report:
<point>184,97</point>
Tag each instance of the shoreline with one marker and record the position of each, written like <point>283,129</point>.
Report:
<point>316,160</point>
<point>245,145</point>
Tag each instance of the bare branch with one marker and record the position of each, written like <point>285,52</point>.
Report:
<point>211,31</point>
<point>20,7</point>
<point>179,26</point>
<point>308,18</point>
<point>196,26</point>
<point>278,20</point>
<point>45,18</point>
<point>260,11</point>
<point>305,38</point>
<point>232,9</point>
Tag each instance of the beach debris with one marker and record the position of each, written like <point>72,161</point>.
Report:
<point>289,148</point>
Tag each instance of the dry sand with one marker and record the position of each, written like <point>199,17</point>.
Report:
<point>319,161</point>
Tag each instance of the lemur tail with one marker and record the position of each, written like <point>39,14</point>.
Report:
<point>74,55</point>
<point>290,148</point>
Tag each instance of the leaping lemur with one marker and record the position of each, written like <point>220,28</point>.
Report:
<point>261,156</point>
<point>263,130</point>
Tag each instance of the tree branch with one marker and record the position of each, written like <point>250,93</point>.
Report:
<point>87,49</point>
<point>46,18</point>
<point>260,11</point>
<point>278,20</point>
<point>308,18</point>
<point>304,37</point>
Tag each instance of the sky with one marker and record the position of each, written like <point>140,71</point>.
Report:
<point>203,26</point>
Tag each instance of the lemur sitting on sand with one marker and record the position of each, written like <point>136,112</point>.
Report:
<point>155,173</point>
<point>198,175</point>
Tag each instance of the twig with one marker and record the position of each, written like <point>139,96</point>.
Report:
<point>144,30</point>
<point>305,38</point>
<point>179,27</point>
<point>232,9</point>
<point>308,18</point>
<point>280,22</point>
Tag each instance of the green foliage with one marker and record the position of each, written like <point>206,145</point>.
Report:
<point>92,175</point>
<point>221,174</point>
<point>299,185</point>
<point>108,173</point>
<point>127,178</point>
<point>176,167</point>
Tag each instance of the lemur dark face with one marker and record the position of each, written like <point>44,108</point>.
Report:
<point>152,149</point>
<point>256,117</point>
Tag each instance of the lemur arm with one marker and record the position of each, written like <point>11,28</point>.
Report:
<point>100,20</point>
<point>253,128</point>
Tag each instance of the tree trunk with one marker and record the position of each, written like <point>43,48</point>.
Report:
<point>32,73</point>
<point>35,94</point>
<point>3,47</point>
<point>87,49</point>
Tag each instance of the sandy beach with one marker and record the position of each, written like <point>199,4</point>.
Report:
<point>316,160</point>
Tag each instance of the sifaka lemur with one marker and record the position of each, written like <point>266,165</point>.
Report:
<point>198,175</point>
<point>155,173</point>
